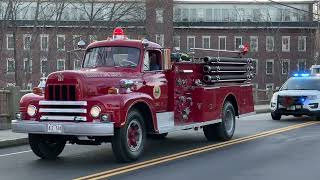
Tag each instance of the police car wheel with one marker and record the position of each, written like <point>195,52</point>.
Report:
<point>222,131</point>
<point>46,146</point>
<point>275,116</point>
<point>128,142</point>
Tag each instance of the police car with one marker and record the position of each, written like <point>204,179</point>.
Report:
<point>299,95</point>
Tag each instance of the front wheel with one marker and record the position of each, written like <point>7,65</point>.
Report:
<point>275,116</point>
<point>46,146</point>
<point>222,131</point>
<point>128,142</point>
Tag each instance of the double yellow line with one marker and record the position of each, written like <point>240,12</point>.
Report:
<point>132,167</point>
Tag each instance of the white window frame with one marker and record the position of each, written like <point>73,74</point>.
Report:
<point>179,42</point>
<point>64,40</point>
<point>206,37</point>
<point>282,61</point>
<point>24,41</point>
<point>9,35</point>
<point>225,42</point>
<point>269,84</point>
<point>194,42</point>
<point>159,15</point>
<point>44,36</point>
<point>74,43</point>
<point>272,61</point>
<point>41,68</point>
<point>25,61</point>
<point>267,49</point>
<point>10,59</point>
<point>257,48</point>
<point>64,64</point>
<point>161,40</point>
<point>283,46</point>
<point>235,42</point>
<point>305,43</point>
<point>304,61</point>
<point>74,64</point>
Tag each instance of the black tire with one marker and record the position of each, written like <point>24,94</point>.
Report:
<point>275,116</point>
<point>224,130</point>
<point>158,136</point>
<point>46,146</point>
<point>121,140</point>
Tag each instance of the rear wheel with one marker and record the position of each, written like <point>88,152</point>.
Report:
<point>46,146</point>
<point>275,116</point>
<point>222,131</point>
<point>128,142</point>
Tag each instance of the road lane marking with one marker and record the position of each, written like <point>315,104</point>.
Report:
<point>10,154</point>
<point>183,154</point>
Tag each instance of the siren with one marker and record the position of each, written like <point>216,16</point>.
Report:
<point>118,34</point>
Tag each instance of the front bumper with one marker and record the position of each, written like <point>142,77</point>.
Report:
<point>68,128</point>
<point>297,112</point>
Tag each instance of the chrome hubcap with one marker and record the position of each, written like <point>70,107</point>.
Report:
<point>134,135</point>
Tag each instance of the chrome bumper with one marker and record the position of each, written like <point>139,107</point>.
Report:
<point>68,128</point>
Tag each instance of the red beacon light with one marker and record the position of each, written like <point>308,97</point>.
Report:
<point>118,34</point>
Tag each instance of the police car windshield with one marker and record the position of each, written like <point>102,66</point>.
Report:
<point>301,84</point>
<point>111,57</point>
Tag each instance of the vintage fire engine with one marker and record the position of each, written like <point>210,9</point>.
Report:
<point>130,89</point>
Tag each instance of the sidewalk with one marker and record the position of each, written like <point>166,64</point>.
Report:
<point>8,138</point>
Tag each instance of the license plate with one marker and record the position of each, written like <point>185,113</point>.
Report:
<point>291,108</point>
<point>54,128</point>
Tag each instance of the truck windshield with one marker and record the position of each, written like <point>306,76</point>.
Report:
<point>112,57</point>
<point>301,84</point>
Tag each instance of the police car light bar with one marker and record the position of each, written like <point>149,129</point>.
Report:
<point>301,75</point>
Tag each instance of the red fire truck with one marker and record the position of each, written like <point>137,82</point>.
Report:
<point>130,89</point>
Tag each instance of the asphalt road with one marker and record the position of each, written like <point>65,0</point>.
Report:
<point>290,153</point>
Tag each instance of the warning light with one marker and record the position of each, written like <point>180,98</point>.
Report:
<point>118,33</point>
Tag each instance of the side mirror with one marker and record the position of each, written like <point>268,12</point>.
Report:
<point>81,44</point>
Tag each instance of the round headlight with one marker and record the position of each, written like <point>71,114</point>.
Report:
<point>95,111</point>
<point>32,110</point>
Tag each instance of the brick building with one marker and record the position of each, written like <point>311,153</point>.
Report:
<point>282,36</point>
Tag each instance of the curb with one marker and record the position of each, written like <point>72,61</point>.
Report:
<point>260,111</point>
<point>13,142</point>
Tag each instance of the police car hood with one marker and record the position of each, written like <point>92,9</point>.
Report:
<point>298,92</point>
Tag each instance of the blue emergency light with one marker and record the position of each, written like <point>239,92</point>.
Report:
<point>301,75</point>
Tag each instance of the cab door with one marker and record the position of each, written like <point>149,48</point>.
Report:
<point>156,83</point>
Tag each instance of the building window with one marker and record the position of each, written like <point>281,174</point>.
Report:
<point>237,42</point>
<point>269,86</point>
<point>10,42</point>
<point>269,43</point>
<point>254,43</point>
<point>27,65</point>
<point>61,42</point>
<point>191,42</point>
<point>76,64</point>
<point>176,42</point>
<point>209,15</point>
<point>27,41</point>
<point>27,86</point>
<point>206,42</point>
<point>61,65</point>
<point>10,65</point>
<point>302,65</point>
<point>75,40</point>
<point>302,43</point>
<point>255,66</point>
<point>93,38</point>
<point>160,39</point>
<point>159,15</point>
<point>11,84</point>
<point>285,66</point>
<point>222,42</point>
<point>286,43</point>
<point>269,66</point>
<point>44,42</point>
<point>44,66</point>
